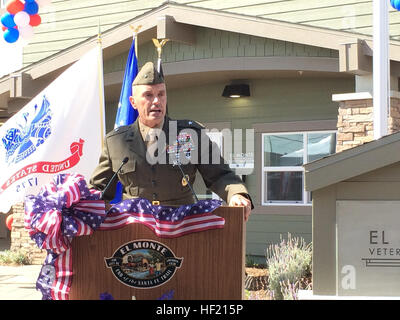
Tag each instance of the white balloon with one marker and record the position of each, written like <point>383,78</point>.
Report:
<point>26,32</point>
<point>43,3</point>
<point>22,19</point>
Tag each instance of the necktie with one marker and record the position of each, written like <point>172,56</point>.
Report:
<point>152,151</point>
<point>152,137</point>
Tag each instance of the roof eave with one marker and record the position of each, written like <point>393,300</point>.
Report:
<point>352,162</point>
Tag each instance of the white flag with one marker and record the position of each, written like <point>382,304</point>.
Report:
<point>59,131</point>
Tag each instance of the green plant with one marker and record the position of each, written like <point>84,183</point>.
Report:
<point>14,257</point>
<point>250,262</point>
<point>254,262</point>
<point>290,267</point>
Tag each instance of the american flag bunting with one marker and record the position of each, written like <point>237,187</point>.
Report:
<point>66,208</point>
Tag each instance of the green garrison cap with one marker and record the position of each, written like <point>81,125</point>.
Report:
<point>148,75</point>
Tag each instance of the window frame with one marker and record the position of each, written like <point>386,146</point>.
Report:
<point>306,196</point>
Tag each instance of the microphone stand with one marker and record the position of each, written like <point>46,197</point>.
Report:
<point>187,180</point>
<point>113,177</point>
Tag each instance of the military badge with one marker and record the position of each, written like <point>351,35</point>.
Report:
<point>184,144</point>
<point>143,264</point>
<point>185,180</point>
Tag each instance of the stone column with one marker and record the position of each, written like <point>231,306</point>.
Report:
<point>20,240</point>
<point>355,119</point>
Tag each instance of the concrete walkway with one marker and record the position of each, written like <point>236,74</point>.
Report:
<point>19,283</point>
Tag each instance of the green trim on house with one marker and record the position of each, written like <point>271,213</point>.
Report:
<point>264,230</point>
<point>213,44</point>
<point>67,23</point>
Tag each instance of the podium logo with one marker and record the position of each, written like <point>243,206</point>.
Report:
<point>143,264</point>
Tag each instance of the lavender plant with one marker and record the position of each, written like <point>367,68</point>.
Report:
<point>290,267</point>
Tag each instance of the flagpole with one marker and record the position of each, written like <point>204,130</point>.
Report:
<point>381,68</point>
<point>136,45</point>
<point>135,37</point>
<point>101,86</point>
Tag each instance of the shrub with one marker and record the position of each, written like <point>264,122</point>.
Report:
<point>14,257</point>
<point>289,266</point>
<point>254,262</point>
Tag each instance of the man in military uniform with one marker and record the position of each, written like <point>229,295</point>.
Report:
<point>161,182</point>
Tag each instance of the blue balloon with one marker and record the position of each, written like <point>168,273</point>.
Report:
<point>395,4</point>
<point>7,20</point>
<point>29,1</point>
<point>31,7</point>
<point>11,35</point>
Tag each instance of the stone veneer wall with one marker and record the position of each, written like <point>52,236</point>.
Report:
<point>355,122</point>
<point>20,239</point>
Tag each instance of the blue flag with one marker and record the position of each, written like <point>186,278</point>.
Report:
<point>126,115</point>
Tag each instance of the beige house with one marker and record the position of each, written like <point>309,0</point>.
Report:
<point>298,57</point>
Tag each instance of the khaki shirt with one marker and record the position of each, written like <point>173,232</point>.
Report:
<point>159,182</point>
<point>145,131</point>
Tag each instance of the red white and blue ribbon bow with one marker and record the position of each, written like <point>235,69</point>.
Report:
<point>63,209</point>
<point>66,208</point>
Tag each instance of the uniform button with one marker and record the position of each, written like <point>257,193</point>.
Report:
<point>154,196</point>
<point>153,183</point>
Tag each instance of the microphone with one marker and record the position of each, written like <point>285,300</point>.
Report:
<point>124,161</point>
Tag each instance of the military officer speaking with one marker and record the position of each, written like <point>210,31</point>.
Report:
<point>142,147</point>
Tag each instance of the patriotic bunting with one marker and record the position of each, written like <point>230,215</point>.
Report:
<point>66,208</point>
<point>164,221</point>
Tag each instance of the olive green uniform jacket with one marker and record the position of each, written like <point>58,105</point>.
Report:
<point>161,182</point>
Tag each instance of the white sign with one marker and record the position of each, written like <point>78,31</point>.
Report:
<point>368,248</point>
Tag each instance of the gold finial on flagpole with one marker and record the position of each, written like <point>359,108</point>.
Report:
<point>135,36</point>
<point>135,29</point>
<point>159,45</point>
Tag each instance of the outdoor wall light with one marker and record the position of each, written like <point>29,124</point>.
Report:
<point>236,91</point>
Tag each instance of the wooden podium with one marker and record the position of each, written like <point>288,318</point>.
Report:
<point>212,267</point>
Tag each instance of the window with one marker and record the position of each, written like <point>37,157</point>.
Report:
<point>283,157</point>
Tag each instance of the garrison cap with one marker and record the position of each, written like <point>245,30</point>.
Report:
<point>148,75</point>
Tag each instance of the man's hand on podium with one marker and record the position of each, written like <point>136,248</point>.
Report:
<point>238,200</point>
